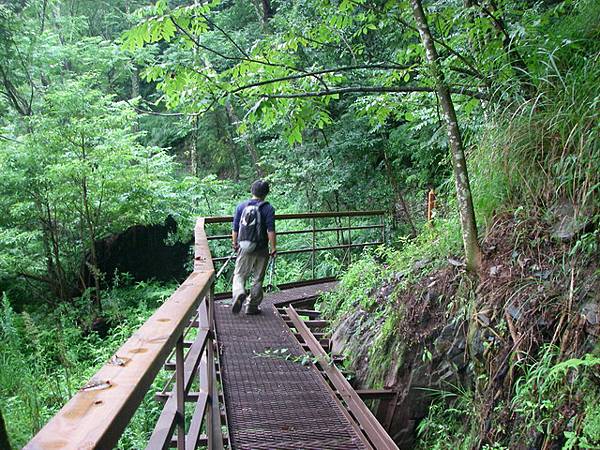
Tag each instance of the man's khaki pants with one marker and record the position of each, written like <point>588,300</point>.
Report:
<point>247,264</point>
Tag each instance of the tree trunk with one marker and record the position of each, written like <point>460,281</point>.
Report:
<point>92,240</point>
<point>267,11</point>
<point>461,176</point>
<point>223,134</point>
<point>135,82</point>
<point>264,11</point>
<point>233,119</point>
<point>192,144</point>
<point>4,441</point>
<point>399,197</point>
<point>91,230</point>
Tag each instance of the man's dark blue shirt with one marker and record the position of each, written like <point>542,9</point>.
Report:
<point>267,214</point>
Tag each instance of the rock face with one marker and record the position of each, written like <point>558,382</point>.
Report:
<point>142,252</point>
<point>590,312</point>
<point>568,221</point>
<point>411,371</point>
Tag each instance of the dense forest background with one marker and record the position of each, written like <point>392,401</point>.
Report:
<point>117,117</point>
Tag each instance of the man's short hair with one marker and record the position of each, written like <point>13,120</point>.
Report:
<point>259,188</point>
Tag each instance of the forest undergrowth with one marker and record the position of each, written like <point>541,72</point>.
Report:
<point>51,353</point>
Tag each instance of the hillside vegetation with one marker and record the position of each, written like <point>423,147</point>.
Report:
<point>486,319</point>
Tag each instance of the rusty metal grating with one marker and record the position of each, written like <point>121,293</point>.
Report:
<point>275,403</point>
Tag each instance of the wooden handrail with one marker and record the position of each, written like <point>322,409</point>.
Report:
<point>96,416</point>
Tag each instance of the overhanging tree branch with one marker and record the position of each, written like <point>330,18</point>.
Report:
<point>468,63</point>
<point>322,72</point>
<point>227,35</point>
<point>372,90</point>
<point>229,57</point>
<point>239,58</point>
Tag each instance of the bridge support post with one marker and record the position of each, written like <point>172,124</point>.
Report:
<point>350,240</point>
<point>213,413</point>
<point>314,245</point>
<point>180,392</point>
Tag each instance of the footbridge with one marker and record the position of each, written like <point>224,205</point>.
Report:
<point>235,381</point>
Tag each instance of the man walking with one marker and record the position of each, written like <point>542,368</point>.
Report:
<point>253,233</point>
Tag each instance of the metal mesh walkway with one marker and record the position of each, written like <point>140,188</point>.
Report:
<point>273,403</point>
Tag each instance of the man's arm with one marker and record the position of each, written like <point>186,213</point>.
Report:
<point>273,242</point>
<point>270,223</point>
<point>235,228</point>
<point>234,241</point>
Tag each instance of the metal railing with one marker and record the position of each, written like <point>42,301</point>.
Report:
<point>99,412</point>
<point>97,415</point>
<point>345,240</point>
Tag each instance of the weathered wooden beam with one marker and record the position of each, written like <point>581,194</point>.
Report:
<point>97,414</point>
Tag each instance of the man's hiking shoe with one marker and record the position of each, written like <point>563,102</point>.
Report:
<point>237,303</point>
<point>252,310</point>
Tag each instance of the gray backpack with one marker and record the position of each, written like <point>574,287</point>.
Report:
<point>251,232</point>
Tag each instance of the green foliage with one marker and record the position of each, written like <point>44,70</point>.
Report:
<point>79,175</point>
<point>443,428</point>
<point>541,397</point>
<point>46,357</point>
<point>355,289</point>
<point>543,392</point>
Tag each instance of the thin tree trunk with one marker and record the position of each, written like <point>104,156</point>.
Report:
<point>135,82</point>
<point>224,135</point>
<point>91,229</point>
<point>267,12</point>
<point>92,239</point>
<point>461,176</point>
<point>264,11</point>
<point>233,119</point>
<point>58,268</point>
<point>193,147</point>
<point>398,193</point>
<point>4,441</point>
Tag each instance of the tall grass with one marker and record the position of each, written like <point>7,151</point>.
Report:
<point>546,150</point>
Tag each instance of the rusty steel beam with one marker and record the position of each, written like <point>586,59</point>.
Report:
<point>193,436</point>
<point>313,314</point>
<point>172,414</point>
<point>190,397</point>
<point>284,286</point>
<point>330,247</point>
<point>222,237</point>
<point>374,431</point>
<point>192,357</point>
<point>307,302</point>
<point>213,413</point>
<point>376,394</point>
<point>316,323</point>
<point>311,215</point>
<point>202,441</point>
<point>179,394</point>
<point>317,249</point>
